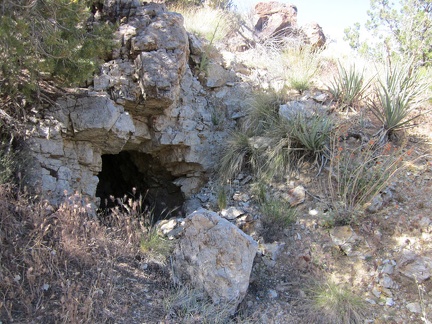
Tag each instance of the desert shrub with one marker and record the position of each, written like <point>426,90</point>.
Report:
<point>211,24</point>
<point>356,175</point>
<point>398,94</point>
<point>310,135</point>
<point>278,213</point>
<point>348,86</point>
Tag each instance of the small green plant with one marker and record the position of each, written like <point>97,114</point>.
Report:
<point>7,162</point>
<point>336,304</point>
<point>348,87</point>
<point>222,198</point>
<point>398,94</point>
<point>300,66</point>
<point>151,243</point>
<point>301,85</point>
<point>278,212</point>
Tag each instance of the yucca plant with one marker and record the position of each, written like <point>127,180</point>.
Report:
<point>348,87</point>
<point>398,94</point>
<point>310,135</point>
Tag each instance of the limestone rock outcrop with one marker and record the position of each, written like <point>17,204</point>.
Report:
<point>274,19</point>
<point>215,256</point>
<point>144,100</point>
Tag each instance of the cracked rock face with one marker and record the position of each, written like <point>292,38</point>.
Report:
<point>144,99</point>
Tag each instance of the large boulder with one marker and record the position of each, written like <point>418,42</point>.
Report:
<point>274,18</point>
<point>314,35</point>
<point>215,256</point>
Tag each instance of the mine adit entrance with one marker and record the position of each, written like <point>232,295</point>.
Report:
<point>129,175</point>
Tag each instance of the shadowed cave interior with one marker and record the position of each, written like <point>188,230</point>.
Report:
<point>130,169</point>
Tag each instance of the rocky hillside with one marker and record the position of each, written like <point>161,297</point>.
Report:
<point>222,180</point>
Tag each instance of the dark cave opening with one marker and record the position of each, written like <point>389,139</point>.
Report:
<point>129,174</point>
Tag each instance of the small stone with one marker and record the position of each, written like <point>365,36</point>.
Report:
<point>272,293</point>
<point>203,198</point>
<point>390,302</point>
<point>388,268</point>
<point>414,307</point>
<point>296,196</point>
<point>371,301</point>
<point>376,204</point>
<point>246,180</point>
<point>376,292</point>
<point>321,97</point>
<point>387,282</point>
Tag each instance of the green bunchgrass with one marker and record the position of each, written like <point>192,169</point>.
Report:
<point>300,66</point>
<point>311,133</point>
<point>349,86</point>
<point>222,198</point>
<point>356,175</point>
<point>278,212</point>
<point>336,304</point>
<point>398,94</point>
<point>262,112</point>
<point>239,153</point>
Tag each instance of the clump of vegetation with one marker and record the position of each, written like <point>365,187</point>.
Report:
<point>278,213</point>
<point>301,65</point>
<point>190,305</point>
<point>334,303</point>
<point>262,113</point>
<point>58,265</point>
<point>348,86</point>
<point>397,96</point>
<point>357,174</point>
<point>239,153</point>
<point>311,135</point>
<point>218,23</point>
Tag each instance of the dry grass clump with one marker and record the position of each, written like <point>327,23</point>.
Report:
<point>357,173</point>
<point>190,305</point>
<point>336,304</point>
<point>212,24</point>
<point>56,266</point>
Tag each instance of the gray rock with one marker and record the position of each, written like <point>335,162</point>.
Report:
<point>232,213</point>
<point>216,76</point>
<point>415,267</point>
<point>215,256</point>
<point>414,307</point>
<point>345,238</point>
